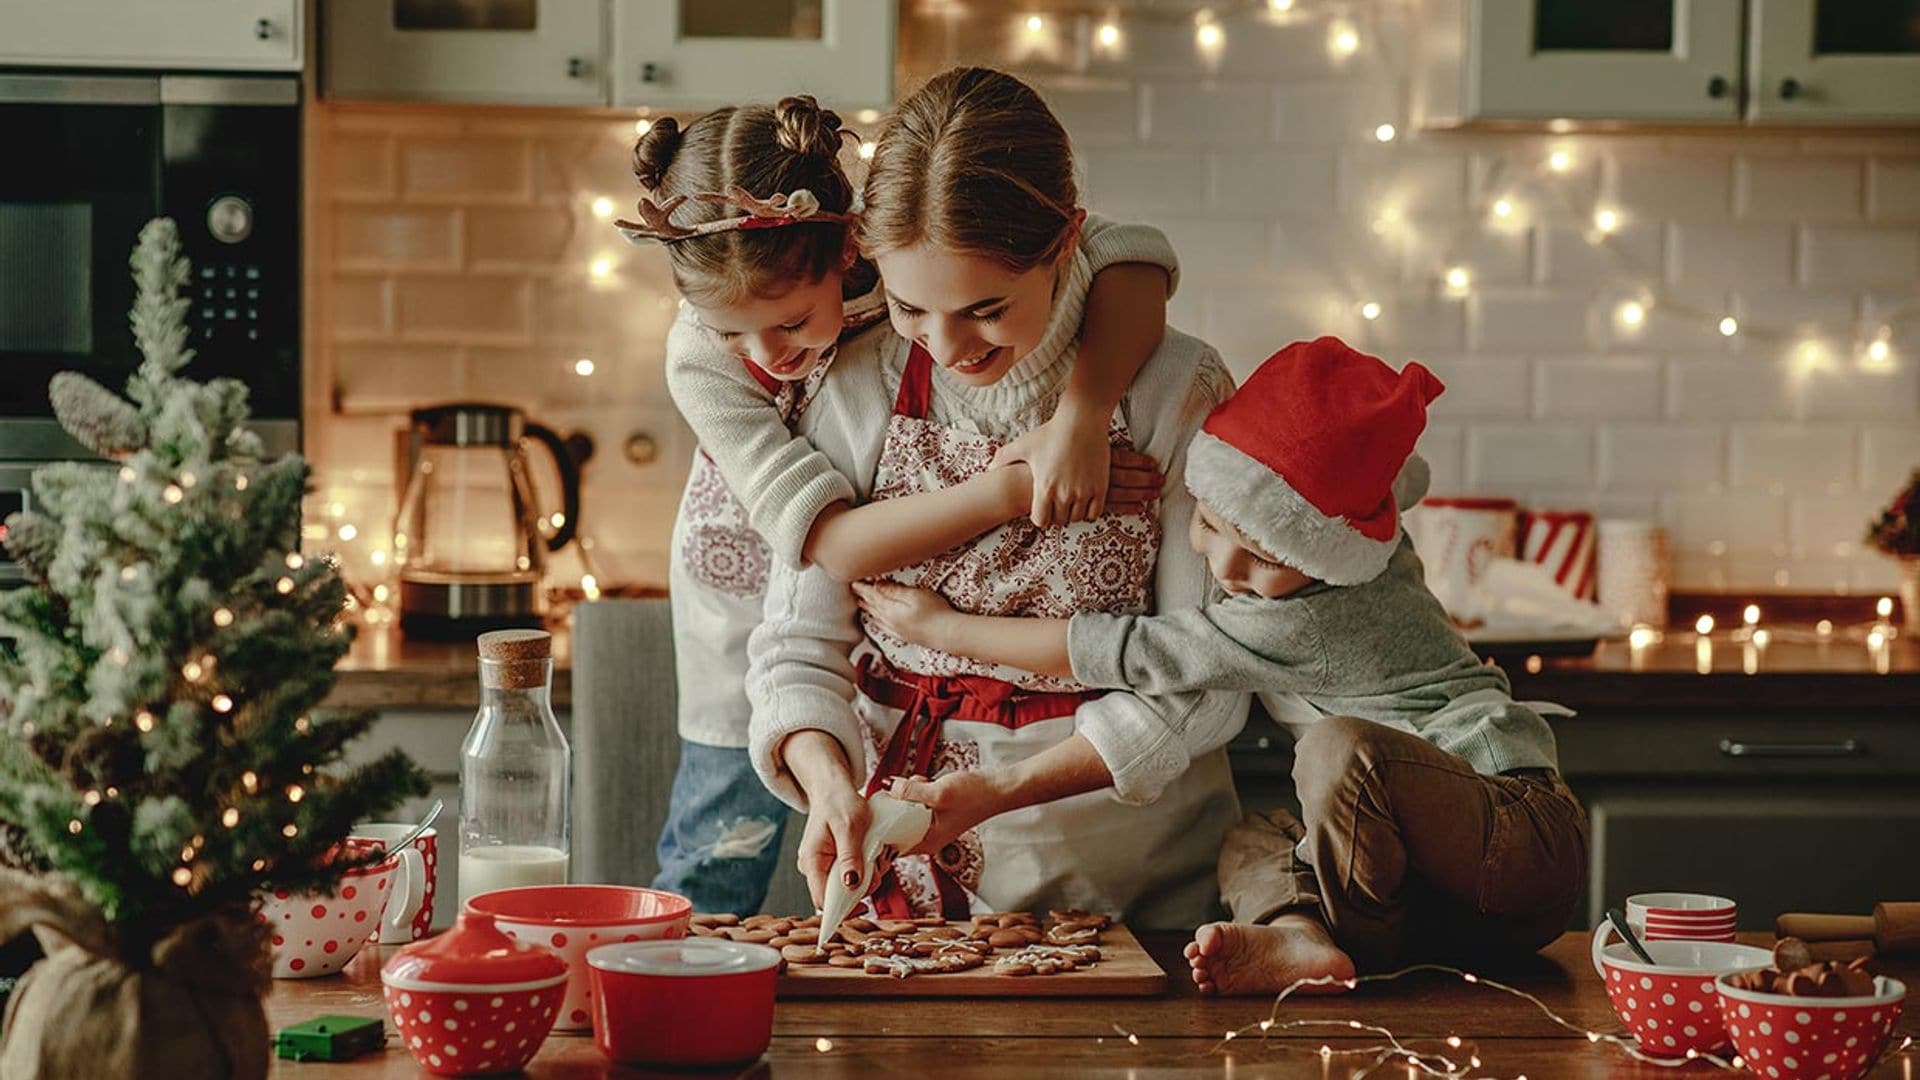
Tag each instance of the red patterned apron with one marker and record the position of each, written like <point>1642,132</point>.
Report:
<point>928,712</point>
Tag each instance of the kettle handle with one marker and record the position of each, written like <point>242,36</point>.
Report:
<point>569,482</point>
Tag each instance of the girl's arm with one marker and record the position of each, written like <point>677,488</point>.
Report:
<point>961,800</point>
<point>924,617</point>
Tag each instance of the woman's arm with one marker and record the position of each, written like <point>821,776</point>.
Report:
<point>838,817</point>
<point>924,617</point>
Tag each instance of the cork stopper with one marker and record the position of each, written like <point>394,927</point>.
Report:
<point>515,659</point>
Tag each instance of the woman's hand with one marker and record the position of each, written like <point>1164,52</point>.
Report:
<point>836,831</point>
<point>907,613</point>
<point>1077,474</point>
<point>959,801</point>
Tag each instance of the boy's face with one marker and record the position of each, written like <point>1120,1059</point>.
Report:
<point>782,335</point>
<point>1237,563</point>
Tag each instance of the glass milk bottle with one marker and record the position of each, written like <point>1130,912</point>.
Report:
<point>514,771</point>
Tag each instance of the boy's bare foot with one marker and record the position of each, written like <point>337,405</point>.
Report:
<point>1233,958</point>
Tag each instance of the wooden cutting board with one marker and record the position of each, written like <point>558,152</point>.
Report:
<point>1124,970</point>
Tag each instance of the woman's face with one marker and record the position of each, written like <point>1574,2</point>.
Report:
<point>976,317</point>
<point>1237,563</point>
<point>782,335</point>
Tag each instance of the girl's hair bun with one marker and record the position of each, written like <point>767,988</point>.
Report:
<point>653,153</point>
<point>803,127</point>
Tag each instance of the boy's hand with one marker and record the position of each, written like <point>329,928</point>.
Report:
<point>905,612</point>
<point>836,830</point>
<point>1077,474</point>
<point>959,801</point>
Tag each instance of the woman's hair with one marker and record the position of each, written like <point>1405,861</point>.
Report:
<point>767,151</point>
<point>973,162</point>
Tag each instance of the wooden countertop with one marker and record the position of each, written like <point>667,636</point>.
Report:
<point>1178,1033</point>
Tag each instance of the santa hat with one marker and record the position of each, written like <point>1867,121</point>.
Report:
<point>1302,458</point>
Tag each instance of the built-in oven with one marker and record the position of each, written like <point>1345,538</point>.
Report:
<point>90,158</point>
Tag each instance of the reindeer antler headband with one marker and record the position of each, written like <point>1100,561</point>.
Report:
<point>778,211</point>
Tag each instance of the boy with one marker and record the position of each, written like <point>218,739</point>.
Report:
<point>1434,822</point>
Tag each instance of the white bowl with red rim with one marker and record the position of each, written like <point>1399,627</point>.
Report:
<point>1671,1005</point>
<point>473,1001</point>
<point>1782,1037</point>
<point>693,1003</point>
<point>571,919</point>
<point>316,933</point>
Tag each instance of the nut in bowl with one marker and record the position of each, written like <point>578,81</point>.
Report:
<point>1671,1006</point>
<point>571,919</point>
<point>316,934</point>
<point>1784,1037</point>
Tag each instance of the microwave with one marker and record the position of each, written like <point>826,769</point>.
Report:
<point>91,158</point>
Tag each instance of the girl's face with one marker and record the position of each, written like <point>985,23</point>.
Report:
<point>783,335</point>
<point>974,316</point>
<point>1237,563</point>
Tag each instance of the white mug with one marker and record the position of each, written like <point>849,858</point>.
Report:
<point>410,882</point>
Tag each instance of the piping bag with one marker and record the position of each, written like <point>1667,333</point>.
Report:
<point>896,822</point>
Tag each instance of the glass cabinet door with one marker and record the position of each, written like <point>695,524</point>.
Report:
<point>697,53</point>
<point>525,52</point>
<point>1671,60</point>
<point>1835,61</point>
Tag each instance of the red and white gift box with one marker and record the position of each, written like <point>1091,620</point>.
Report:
<point>1565,542</point>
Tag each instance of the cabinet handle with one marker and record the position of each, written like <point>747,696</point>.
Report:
<point>1843,748</point>
<point>1718,86</point>
<point>649,73</point>
<point>576,67</point>
<point>1789,89</point>
<point>263,29</point>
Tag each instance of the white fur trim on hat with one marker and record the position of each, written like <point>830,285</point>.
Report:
<point>1264,507</point>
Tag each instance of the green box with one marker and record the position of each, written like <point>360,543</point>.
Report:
<point>331,1038</point>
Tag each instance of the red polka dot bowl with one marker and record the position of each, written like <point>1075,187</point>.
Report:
<point>694,1003</point>
<point>1672,1005</point>
<point>1804,1038</point>
<point>317,933</point>
<point>473,1001</point>
<point>571,919</point>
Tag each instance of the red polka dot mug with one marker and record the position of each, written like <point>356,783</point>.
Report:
<point>317,933</point>
<point>409,914</point>
<point>1671,1006</point>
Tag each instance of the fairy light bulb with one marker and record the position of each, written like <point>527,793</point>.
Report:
<point>1503,209</point>
<point>74,827</point>
<point>143,720</point>
<point>642,126</point>
<point>601,268</point>
<point>1342,39</point>
<point>1750,615</point>
<point>251,781</point>
<point>602,207</point>
<point>1459,279</point>
<point>583,366</point>
<point>283,586</point>
<point>1729,326</point>
<point>290,831</point>
<point>1606,219</point>
<point>1370,310</point>
<point>823,1044</point>
<point>222,617</point>
<point>1823,628</point>
<point>1279,7</point>
<point>222,703</point>
<point>1208,35</point>
<point>867,150</point>
<point>295,560</point>
<point>1384,133</point>
<point>1879,351</point>
<point>1761,637</point>
<point>1632,313</point>
<point>240,483</point>
<point>183,877</point>
<point>295,793</point>
<point>1036,24</point>
<point>1560,161</point>
<point>172,494</point>
<point>1703,625</point>
<point>127,475</point>
<point>1641,637</point>
<point>193,670</point>
<point>91,798</point>
<point>1883,607</point>
<point>230,818</point>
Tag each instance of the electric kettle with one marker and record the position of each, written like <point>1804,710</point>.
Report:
<point>468,541</point>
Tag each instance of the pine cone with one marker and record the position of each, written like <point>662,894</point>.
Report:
<point>32,541</point>
<point>101,420</point>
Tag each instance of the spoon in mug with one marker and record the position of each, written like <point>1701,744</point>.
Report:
<point>433,813</point>
<point>1619,921</point>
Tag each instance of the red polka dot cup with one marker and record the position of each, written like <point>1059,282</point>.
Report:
<point>1671,1005</point>
<point>473,1002</point>
<point>317,933</point>
<point>1804,1038</point>
<point>694,1003</point>
<point>571,919</point>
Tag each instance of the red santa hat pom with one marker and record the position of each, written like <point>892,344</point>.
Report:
<point>1302,458</point>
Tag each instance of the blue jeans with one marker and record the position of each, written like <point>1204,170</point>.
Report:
<point>721,843</point>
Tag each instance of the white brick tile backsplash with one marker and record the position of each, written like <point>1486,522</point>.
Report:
<point>1653,458</point>
<point>1504,458</point>
<point>1610,388</point>
<point>1531,320</point>
<point>454,247</point>
<point>1797,189</point>
<point>1881,255</point>
<point>1731,256</point>
<point>1803,460</point>
<point>1893,189</point>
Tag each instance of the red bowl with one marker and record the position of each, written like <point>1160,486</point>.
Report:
<point>571,919</point>
<point>1800,1038</point>
<point>1671,1006</point>
<point>678,1004</point>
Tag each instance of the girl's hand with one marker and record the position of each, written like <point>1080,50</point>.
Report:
<point>959,801</point>
<point>836,832</point>
<point>907,613</point>
<point>1077,474</point>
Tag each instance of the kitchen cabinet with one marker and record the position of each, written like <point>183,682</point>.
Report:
<point>232,35</point>
<point>694,53</point>
<point>527,52</point>
<point>1685,61</point>
<point>658,54</point>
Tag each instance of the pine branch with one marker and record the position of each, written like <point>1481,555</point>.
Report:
<point>95,416</point>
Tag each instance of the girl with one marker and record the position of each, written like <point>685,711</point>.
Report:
<point>755,213</point>
<point>1434,822</point>
<point>972,218</point>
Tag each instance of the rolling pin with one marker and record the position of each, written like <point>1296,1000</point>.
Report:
<point>1892,928</point>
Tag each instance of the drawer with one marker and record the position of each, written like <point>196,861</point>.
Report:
<point>1870,746</point>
